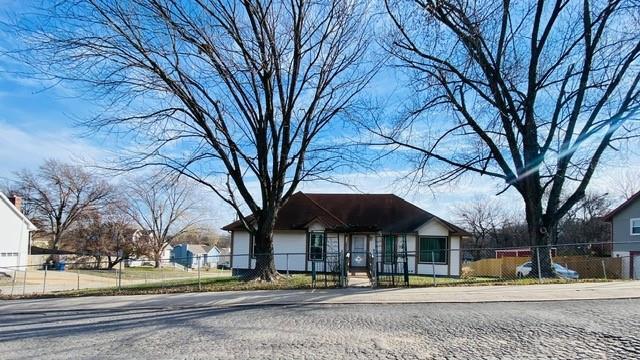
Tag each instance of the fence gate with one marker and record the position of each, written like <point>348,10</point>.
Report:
<point>390,262</point>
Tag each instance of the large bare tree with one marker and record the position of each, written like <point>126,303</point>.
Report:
<point>59,195</point>
<point>163,210</point>
<point>232,94</point>
<point>531,93</point>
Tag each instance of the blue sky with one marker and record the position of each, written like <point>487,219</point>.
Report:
<point>38,121</point>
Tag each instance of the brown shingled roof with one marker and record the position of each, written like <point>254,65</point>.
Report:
<point>352,212</point>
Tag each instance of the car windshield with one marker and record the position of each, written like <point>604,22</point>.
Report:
<point>559,267</point>
<point>527,264</point>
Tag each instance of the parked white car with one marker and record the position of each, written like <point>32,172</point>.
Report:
<point>524,270</point>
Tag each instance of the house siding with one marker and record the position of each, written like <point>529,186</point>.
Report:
<point>621,228</point>
<point>14,239</point>
<point>294,243</point>
<point>284,242</point>
<point>452,266</point>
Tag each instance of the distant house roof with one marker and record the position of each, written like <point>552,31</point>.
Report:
<point>635,197</point>
<point>198,249</point>
<point>18,213</point>
<point>352,212</point>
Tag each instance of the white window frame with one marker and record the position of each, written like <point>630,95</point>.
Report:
<point>631,226</point>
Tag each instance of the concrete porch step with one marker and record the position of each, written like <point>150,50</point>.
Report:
<point>359,281</point>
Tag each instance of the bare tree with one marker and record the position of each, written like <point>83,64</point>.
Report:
<point>163,209</point>
<point>484,219</point>
<point>584,223</point>
<point>109,234</point>
<point>244,88</point>
<point>59,195</point>
<point>532,93</point>
<point>625,183</point>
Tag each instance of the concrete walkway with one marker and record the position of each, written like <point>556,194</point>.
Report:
<point>471,294</point>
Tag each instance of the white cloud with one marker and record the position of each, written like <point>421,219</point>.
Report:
<point>21,148</point>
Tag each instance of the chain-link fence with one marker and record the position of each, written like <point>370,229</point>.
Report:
<point>389,267</point>
<point>87,274</point>
<point>568,263</point>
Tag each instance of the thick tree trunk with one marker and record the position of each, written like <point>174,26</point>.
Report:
<point>537,226</point>
<point>265,269</point>
<point>539,231</point>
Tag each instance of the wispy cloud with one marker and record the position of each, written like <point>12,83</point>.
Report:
<point>27,148</point>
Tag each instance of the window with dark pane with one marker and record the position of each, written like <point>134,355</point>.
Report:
<point>433,249</point>
<point>316,245</point>
<point>389,248</point>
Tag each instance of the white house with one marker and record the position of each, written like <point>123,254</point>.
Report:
<point>15,235</point>
<point>313,227</point>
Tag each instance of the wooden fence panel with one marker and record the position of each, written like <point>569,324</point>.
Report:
<point>587,267</point>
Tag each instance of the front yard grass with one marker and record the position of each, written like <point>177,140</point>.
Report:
<point>211,284</point>
<point>149,272</point>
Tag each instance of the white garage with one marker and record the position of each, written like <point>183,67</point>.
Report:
<point>15,230</point>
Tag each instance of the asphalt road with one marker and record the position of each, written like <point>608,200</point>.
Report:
<point>564,329</point>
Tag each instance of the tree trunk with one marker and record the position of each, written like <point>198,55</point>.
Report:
<point>265,269</point>
<point>113,263</point>
<point>157,256</point>
<point>539,232</point>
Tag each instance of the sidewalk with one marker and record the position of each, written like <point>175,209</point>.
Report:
<point>471,294</point>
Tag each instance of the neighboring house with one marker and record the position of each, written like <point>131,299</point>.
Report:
<point>146,260</point>
<point>190,255</point>
<point>312,226</point>
<point>15,234</point>
<point>625,235</point>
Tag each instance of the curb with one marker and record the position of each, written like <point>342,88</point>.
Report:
<point>303,303</point>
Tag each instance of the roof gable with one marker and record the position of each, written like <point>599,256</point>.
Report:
<point>17,212</point>
<point>635,197</point>
<point>352,212</point>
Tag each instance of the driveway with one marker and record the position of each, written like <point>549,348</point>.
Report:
<point>566,329</point>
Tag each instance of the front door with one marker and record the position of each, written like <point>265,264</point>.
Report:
<point>359,251</point>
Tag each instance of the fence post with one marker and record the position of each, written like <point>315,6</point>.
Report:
<point>78,274</point>
<point>161,277</point>
<point>313,274</point>
<point>604,270</point>
<point>44,283</point>
<point>287,264</point>
<point>538,260</point>
<point>120,276</point>
<point>13,282</point>
<point>24,282</point>
<point>324,268</point>
<point>199,283</point>
<point>433,267</point>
